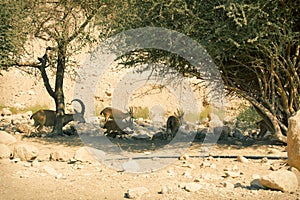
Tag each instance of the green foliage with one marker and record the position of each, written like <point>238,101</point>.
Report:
<point>13,31</point>
<point>32,108</point>
<point>255,44</point>
<point>248,116</point>
<point>141,112</point>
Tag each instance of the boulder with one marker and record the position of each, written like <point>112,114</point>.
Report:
<point>6,138</point>
<point>4,151</point>
<point>25,152</point>
<point>85,155</point>
<point>293,141</point>
<point>283,180</point>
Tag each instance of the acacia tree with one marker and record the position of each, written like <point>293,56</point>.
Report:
<point>67,26</point>
<point>255,44</point>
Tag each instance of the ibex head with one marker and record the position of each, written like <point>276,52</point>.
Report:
<point>79,116</point>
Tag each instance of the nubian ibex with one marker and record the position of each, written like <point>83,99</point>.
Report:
<point>173,123</point>
<point>47,117</point>
<point>113,113</point>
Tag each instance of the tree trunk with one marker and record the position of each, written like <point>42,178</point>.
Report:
<point>59,94</point>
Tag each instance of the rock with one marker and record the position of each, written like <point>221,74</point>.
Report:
<point>60,156</point>
<point>136,192</point>
<point>184,157</point>
<point>293,141</point>
<point>4,151</point>
<point>24,128</point>
<point>283,180</point>
<point>6,138</point>
<point>84,155</point>
<point>50,170</point>
<point>242,159</point>
<point>6,112</point>
<point>166,190</point>
<point>238,134</point>
<point>255,183</point>
<point>232,174</point>
<point>192,187</point>
<point>25,152</point>
<point>228,185</point>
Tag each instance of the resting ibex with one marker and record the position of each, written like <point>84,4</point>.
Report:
<point>113,113</point>
<point>174,122</point>
<point>47,117</point>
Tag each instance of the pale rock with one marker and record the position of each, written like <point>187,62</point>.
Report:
<point>4,151</point>
<point>60,156</point>
<point>84,155</point>
<point>166,190</point>
<point>6,112</point>
<point>25,152</point>
<point>184,157</point>
<point>50,170</point>
<point>192,187</point>
<point>228,185</point>
<point>6,138</point>
<point>232,174</point>
<point>137,192</point>
<point>242,159</point>
<point>293,141</point>
<point>283,180</point>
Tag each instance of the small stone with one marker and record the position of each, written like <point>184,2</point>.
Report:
<point>35,163</point>
<point>242,159</point>
<point>166,190</point>
<point>283,180</point>
<point>192,187</point>
<point>15,160</point>
<point>264,160</point>
<point>136,192</point>
<point>59,176</point>
<point>205,164</point>
<point>27,164</point>
<point>50,170</point>
<point>232,174</point>
<point>184,157</point>
<point>213,166</point>
<point>228,185</point>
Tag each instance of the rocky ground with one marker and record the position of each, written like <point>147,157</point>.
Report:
<point>237,167</point>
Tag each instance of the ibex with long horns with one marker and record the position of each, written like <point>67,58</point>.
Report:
<point>47,117</point>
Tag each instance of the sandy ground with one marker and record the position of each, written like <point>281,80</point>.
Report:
<point>95,180</point>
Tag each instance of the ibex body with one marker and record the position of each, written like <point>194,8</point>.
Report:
<point>114,128</point>
<point>173,123</point>
<point>47,117</point>
<point>113,113</point>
